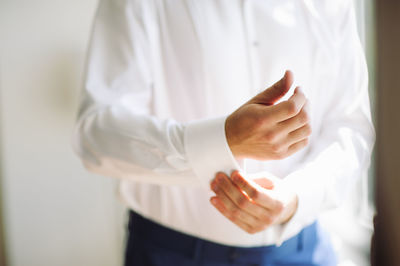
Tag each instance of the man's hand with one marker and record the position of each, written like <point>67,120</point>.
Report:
<point>261,130</point>
<point>253,205</point>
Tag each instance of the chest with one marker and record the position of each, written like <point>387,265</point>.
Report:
<point>232,49</point>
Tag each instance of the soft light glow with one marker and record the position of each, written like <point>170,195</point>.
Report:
<point>285,14</point>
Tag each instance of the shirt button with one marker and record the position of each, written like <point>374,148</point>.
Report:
<point>255,43</point>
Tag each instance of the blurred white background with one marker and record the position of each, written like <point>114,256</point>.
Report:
<point>55,213</point>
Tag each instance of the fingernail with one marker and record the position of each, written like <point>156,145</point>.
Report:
<point>219,177</point>
<point>235,177</point>
<point>237,181</point>
<point>214,186</point>
<point>213,201</point>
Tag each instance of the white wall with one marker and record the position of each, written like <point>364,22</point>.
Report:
<point>55,212</point>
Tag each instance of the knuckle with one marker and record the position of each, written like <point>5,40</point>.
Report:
<point>305,142</point>
<point>278,207</point>
<point>281,154</point>
<point>235,214</point>
<point>267,220</point>
<point>240,182</point>
<point>241,202</point>
<point>264,218</point>
<point>252,231</point>
<point>304,118</point>
<point>270,137</point>
<point>263,227</point>
<point>292,107</point>
<point>276,148</point>
<point>254,194</point>
<point>308,130</point>
<point>301,93</point>
<point>221,185</point>
<point>277,156</point>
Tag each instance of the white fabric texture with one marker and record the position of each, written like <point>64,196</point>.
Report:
<point>162,76</point>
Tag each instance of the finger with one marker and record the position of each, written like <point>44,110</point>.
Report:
<point>295,122</point>
<point>298,135</point>
<point>287,109</point>
<point>235,212</point>
<point>259,195</point>
<point>241,200</point>
<point>297,146</point>
<point>217,203</point>
<point>276,91</point>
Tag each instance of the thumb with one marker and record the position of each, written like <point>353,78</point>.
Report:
<point>276,91</point>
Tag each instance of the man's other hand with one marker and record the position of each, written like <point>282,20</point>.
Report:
<point>253,204</point>
<point>261,130</point>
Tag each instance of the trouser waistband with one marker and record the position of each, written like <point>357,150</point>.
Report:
<point>151,233</point>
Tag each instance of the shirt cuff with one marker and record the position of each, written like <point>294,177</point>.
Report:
<point>310,196</point>
<point>208,150</point>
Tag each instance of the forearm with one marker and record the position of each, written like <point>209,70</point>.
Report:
<point>114,141</point>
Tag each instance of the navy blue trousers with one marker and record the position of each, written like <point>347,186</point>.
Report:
<point>150,244</point>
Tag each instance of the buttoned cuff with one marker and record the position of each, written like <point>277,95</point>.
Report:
<point>310,196</point>
<point>208,150</point>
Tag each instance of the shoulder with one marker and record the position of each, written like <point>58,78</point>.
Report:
<point>124,6</point>
<point>337,17</point>
<point>333,9</point>
<point>124,12</point>
<point>336,13</point>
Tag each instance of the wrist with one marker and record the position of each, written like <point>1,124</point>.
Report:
<point>231,139</point>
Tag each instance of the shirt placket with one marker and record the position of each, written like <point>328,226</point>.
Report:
<point>252,44</point>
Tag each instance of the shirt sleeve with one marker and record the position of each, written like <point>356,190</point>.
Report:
<point>341,150</point>
<point>116,134</point>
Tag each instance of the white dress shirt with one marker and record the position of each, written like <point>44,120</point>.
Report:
<point>162,76</point>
